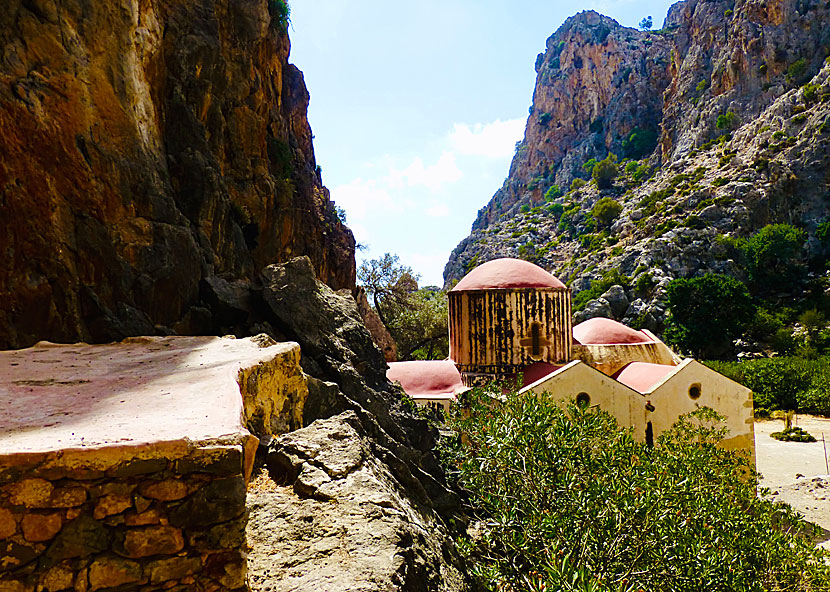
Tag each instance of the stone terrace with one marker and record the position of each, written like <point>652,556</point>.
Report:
<point>125,465</point>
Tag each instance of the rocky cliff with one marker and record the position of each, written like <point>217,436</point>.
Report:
<point>721,124</point>
<point>148,151</point>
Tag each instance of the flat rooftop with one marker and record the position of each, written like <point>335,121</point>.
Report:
<point>141,392</point>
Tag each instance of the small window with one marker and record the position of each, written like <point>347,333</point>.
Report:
<point>694,391</point>
<point>583,400</point>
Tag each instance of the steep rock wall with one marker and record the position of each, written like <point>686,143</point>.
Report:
<point>147,146</point>
<point>743,108</point>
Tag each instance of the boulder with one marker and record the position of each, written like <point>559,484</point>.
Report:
<point>617,300</point>
<point>378,539</point>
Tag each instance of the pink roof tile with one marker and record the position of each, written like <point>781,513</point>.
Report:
<point>642,376</point>
<point>602,331</point>
<point>507,274</point>
<point>426,378</point>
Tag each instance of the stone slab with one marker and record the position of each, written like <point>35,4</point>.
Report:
<point>160,395</point>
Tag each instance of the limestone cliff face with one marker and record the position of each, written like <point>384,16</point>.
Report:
<point>596,82</point>
<point>739,95</point>
<point>147,146</point>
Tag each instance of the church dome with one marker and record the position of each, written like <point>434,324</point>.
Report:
<point>507,274</point>
<point>602,331</point>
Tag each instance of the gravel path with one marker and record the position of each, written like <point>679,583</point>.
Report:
<point>795,472</point>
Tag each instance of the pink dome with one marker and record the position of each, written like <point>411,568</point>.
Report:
<point>426,378</point>
<point>602,331</point>
<point>642,376</point>
<point>507,274</point>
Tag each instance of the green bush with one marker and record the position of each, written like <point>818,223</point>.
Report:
<point>775,257</point>
<point>794,434</point>
<point>726,121</point>
<point>588,166</point>
<point>787,383</point>
<point>707,313</point>
<point>544,119</point>
<point>797,72</point>
<point>568,501</point>
<point>605,171</point>
<point>606,210</point>
<point>639,143</point>
<point>553,192</point>
<point>280,14</point>
<point>577,183</point>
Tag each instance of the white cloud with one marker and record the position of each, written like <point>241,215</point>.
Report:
<point>359,197</point>
<point>443,172</point>
<point>438,210</point>
<point>493,140</point>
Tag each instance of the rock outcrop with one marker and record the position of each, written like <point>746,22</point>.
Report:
<point>379,538</point>
<point>148,151</point>
<point>738,94</point>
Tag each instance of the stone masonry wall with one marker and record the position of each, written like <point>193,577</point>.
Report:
<point>153,524</point>
<point>123,467</point>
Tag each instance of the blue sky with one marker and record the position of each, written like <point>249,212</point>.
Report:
<point>416,108</point>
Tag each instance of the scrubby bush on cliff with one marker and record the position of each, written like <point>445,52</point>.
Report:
<point>280,14</point>
<point>775,257</point>
<point>612,277</point>
<point>639,143</point>
<point>605,211</point>
<point>605,171</point>
<point>707,313</point>
<point>568,501</point>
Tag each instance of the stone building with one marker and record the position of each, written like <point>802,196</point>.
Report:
<point>511,319</point>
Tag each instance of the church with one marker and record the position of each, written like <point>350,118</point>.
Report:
<point>511,320</point>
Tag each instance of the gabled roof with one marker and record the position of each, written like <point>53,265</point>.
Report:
<point>537,371</point>
<point>507,274</point>
<point>427,378</point>
<point>602,331</point>
<point>643,376</point>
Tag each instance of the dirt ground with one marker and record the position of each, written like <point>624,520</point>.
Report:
<point>796,472</point>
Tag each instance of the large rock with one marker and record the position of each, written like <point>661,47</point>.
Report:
<point>350,370</point>
<point>145,147</point>
<point>378,539</point>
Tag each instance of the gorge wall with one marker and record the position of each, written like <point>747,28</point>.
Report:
<point>149,151</point>
<point>721,121</point>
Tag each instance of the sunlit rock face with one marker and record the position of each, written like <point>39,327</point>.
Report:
<point>144,148</point>
<point>735,100</point>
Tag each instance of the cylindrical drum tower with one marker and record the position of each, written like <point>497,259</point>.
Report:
<point>505,315</point>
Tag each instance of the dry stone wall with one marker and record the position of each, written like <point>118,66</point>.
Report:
<point>150,523</point>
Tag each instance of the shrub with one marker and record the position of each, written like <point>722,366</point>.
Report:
<point>553,192</point>
<point>726,121</point>
<point>707,313</point>
<point>577,183</point>
<point>639,143</point>
<point>823,233</point>
<point>544,119</point>
<point>605,172</point>
<point>556,210</point>
<point>774,257</point>
<point>797,72</point>
<point>606,210</point>
<point>588,166</point>
<point>646,24</point>
<point>810,92</point>
<point>794,434</point>
<point>720,182</point>
<point>569,501</point>
<point>280,14</point>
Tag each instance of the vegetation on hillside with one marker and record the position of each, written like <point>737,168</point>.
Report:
<point>567,500</point>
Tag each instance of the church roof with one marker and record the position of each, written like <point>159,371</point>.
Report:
<point>507,274</point>
<point>537,371</point>
<point>602,331</point>
<point>427,378</point>
<point>643,376</point>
